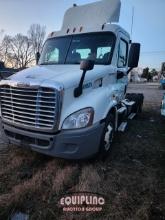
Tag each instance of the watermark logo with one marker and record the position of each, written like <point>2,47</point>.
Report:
<point>82,202</point>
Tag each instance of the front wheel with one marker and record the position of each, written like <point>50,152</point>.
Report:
<point>107,135</point>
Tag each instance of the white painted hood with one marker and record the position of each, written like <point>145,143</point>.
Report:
<point>67,75</point>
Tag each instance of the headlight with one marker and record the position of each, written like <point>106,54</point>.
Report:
<point>80,119</point>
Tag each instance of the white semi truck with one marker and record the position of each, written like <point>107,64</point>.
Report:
<point>74,100</point>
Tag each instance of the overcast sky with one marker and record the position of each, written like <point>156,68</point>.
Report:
<point>16,16</point>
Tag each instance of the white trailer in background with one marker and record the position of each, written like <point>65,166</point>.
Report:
<point>57,109</point>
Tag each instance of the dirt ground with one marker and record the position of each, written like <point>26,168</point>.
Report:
<point>132,177</point>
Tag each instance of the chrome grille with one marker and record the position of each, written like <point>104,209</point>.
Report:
<point>30,106</point>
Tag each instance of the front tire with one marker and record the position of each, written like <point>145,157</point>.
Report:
<point>107,136</point>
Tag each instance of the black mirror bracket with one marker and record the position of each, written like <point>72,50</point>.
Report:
<point>37,57</point>
<point>78,90</point>
<point>129,70</point>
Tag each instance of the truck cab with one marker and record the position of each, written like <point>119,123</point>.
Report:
<point>74,100</point>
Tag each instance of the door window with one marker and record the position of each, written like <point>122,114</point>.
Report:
<point>122,53</point>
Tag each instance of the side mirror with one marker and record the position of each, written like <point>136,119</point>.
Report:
<point>86,65</point>
<point>134,55</point>
<point>37,57</point>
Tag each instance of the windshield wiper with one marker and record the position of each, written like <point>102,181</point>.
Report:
<point>45,63</point>
<point>48,63</point>
<point>73,63</point>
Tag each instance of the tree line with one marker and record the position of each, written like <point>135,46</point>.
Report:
<point>19,51</point>
<point>147,74</point>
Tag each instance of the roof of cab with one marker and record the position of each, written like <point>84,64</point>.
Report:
<point>82,30</point>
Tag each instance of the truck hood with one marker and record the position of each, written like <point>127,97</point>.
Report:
<point>67,75</point>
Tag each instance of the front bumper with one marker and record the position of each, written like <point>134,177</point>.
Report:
<point>68,144</point>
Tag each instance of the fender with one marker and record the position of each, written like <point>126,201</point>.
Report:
<point>104,102</point>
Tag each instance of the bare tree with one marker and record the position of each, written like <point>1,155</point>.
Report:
<point>1,48</point>
<point>20,51</point>
<point>37,34</point>
<point>4,48</point>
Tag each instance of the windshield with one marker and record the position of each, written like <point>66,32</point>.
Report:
<point>73,49</point>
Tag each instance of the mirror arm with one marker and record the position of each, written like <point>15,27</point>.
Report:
<point>78,90</point>
<point>129,70</point>
<point>37,57</point>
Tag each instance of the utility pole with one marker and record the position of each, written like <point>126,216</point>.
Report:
<point>132,23</point>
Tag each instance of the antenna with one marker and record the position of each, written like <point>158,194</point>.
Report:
<point>133,13</point>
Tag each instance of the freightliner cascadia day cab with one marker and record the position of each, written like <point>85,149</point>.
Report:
<point>71,104</point>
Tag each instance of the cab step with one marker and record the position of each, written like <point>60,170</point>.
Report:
<point>121,110</point>
<point>128,103</point>
<point>131,116</point>
<point>122,126</point>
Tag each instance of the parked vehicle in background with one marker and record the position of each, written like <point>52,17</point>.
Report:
<point>162,79</point>
<point>163,106</point>
<point>162,82</point>
<point>5,72</point>
<point>71,104</point>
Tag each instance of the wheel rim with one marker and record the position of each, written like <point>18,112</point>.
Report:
<point>108,137</point>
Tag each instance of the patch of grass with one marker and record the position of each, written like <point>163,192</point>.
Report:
<point>132,177</point>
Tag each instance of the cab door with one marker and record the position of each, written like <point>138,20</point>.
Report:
<point>122,64</point>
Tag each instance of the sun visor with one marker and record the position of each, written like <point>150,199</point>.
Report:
<point>92,15</point>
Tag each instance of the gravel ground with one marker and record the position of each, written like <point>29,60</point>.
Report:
<point>152,94</point>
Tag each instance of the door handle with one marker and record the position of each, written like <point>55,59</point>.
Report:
<point>120,74</point>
